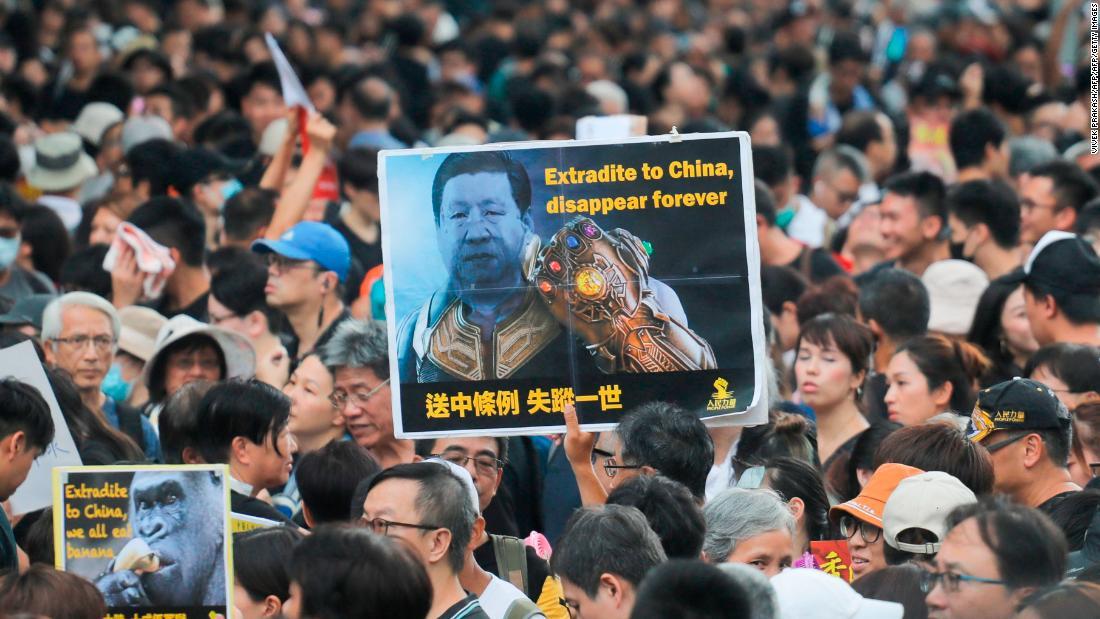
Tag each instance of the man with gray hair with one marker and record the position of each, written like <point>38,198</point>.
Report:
<point>80,331</point>
<point>602,557</point>
<point>357,355</point>
<point>749,526</point>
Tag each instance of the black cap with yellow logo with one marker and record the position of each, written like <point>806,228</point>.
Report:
<point>1017,404</point>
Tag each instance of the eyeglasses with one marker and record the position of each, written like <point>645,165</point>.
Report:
<point>486,465</point>
<point>611,469</point>
<point>570,607</point>
<point>1005,443</point>
<point>102,343</point>
<point>339,399</point>
<point>281,264</point>
<point>951,580</point>
<point>382,526</point>
<point>600,453</point>
<point>869,532</point>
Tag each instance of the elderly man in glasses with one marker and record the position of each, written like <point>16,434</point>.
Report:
<point>995,553</point>
<point>79,331</point>
<point>507,557</point>
<point>358,358</point>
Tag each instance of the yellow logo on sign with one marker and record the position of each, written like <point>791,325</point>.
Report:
<point>721,399</point>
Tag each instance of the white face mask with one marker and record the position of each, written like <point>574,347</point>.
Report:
<point>9,249</point>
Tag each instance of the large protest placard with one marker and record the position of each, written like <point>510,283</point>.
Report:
<point>155,540</point>
<point>21,362</point>
<point>523,277</point>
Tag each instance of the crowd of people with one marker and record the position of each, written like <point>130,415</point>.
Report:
<point>199,268</point>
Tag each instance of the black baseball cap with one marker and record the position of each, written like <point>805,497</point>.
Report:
<point>1017,404</point>
<point>1064,261</point>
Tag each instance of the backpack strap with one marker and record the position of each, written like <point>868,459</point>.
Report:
<point>511,555</point>
<point>129,422</point>
<point>523,608</point>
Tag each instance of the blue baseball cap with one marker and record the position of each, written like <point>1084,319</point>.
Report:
<point>310,240</point>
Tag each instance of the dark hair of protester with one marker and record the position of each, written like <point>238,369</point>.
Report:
<point>1073,187</point>
<point>771,164</point>
<point>851,338</point>
<point>897,301</point>
<point>178,421</point>
<point>939,446</point>
<point>25,411</point>
<point>987,331</point>
<point>669,508</point>
<point>690,589</point>
<point>797,479</point>
<point>156,162</point>
<point>837,295</point>
<point>457,164</point>
<point>9,160</point>
<point>896,583</point>
<point>1030,549</point>
<point>669,439</point>
<point>786,435</point>
<point>1074,514</point>
<point>779,285</point>
<point>1076,365</point>
<point>84,271</point>
<point>350,572</point>
<point>251,409</point>
<point>37,539</point>
<point>991,203</point>
<point>441,500</point>
<point>43,591</point>
<point>925,188</point>
<point>43,231</point>
<point>174,224</point>
<point>261,560</point>
<point>358,168</point>
<point>606,539</point>
<point>189,344</point>
<point>971,132</point>
<point>246,212</point>
<point>844,482</point>
<point>1069,598</point>
<point>96,441</point>
<point>327,479</point>
<point>944,361</point>
<point>859,129</point>
<point>240,288</point>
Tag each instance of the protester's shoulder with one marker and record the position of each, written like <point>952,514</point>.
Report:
<point>250,506</point>
<point>466,608</point>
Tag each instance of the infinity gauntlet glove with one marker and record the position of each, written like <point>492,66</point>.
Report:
<point>597,283</point>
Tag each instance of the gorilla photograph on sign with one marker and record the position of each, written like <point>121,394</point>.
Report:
<point>153,539</point>
<point>522,278</point>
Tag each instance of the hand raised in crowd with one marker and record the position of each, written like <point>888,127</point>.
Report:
<point>578,443</point>
<point>126,279</point>
<point>321,132</point>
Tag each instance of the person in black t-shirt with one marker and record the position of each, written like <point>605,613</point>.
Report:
<point>244,425</point>
<point>357,219</point>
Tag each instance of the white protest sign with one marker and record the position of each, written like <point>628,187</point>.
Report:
<point>614,127</point>
<point>294,93</point>
<point>21,362</point>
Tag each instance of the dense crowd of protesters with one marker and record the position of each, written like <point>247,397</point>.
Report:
<point>927,209</point>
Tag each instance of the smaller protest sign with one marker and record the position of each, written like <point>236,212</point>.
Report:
<point>613,127</point>
<point>155,540</point>
<point>21,362</point>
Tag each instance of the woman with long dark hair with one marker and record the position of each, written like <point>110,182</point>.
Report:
<point>97,441</point>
